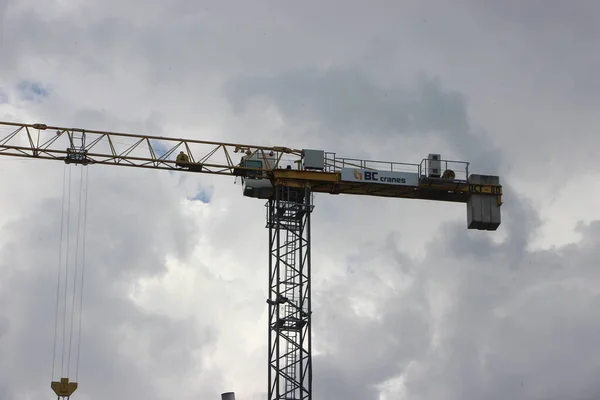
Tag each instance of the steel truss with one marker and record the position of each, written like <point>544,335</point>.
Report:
<point>85,147</point>
<point>290,361</point>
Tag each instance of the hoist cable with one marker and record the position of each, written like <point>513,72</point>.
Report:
<point>82,273</point>
<point>62,213</point>
<point>66,277</point>
<point>79,210</point>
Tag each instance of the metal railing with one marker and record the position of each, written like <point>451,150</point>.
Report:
<point>335,164</point>
<point>460,169</point>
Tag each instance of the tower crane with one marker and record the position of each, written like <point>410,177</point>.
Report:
<point>287,179</point>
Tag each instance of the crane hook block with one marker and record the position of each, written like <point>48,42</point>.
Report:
<point>64,388</point>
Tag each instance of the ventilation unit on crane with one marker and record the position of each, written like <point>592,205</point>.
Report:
<point>434,167</point>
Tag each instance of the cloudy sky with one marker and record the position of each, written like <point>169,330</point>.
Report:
<point>408,304</point>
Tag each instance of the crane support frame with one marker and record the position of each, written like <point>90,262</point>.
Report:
<point>269,173</point>
<point>289,353</point>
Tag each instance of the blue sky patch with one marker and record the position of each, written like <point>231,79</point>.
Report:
<point>202,196</point>
<point>32,91</point>
<point>159,149</point>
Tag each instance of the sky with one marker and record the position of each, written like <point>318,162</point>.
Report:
<point>407,303</point>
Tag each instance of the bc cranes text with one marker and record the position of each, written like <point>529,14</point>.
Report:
<point>385,177</point>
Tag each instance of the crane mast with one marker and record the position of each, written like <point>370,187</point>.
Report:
<point>290,363</point>
<point>287,178</point>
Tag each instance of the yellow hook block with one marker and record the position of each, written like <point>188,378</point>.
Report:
<point>64,388</point>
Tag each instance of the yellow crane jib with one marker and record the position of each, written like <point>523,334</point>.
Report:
<point>261,168</point>
<point>64,389</point>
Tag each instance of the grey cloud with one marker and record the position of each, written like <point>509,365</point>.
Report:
<point>177,42</point>
<point>4,326</point>
<point>57,37</point>
<point>513,322</point>
<point>520,221</point>
<point>333,382</point>
<point>89,118</point>
<point>3,6</point>
<point>545,17</point>
<point>346,103</point>
<point>365,351</point>
<point>558,44</point>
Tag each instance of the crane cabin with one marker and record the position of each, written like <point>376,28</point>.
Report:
<point>255,182</point>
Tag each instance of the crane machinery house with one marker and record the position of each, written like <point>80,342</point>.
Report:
<point>432,179</point>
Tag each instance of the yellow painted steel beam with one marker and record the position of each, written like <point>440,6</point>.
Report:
<point>83,146</point>
<point>326,182</point>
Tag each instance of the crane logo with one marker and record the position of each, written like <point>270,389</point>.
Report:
<point>366,175</point>
<point>374,176</point>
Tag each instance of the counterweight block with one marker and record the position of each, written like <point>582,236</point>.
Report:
<point>64,389</point>
<point>483,210</point>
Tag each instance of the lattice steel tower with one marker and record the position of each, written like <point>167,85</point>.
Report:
<point>290,361</point>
